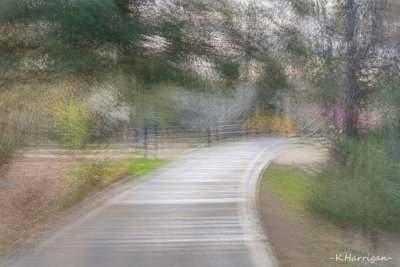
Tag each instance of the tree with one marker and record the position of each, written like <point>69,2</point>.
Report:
<point>350,52</point>
<point>359,52</point>
<point>201,110</point>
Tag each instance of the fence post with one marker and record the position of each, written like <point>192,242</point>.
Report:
<point>156,136</point>
<point>208,136</point>
<point>247,129</point>
<point>216,134</point>
<point>146,129</point>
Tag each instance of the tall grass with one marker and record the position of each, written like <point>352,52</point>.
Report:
<point>362,184</point>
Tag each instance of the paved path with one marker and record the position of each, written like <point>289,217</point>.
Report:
<point>197,211</point>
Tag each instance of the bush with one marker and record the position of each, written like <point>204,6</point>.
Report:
<point>362,185</point>
<point>70,122</point>
<point>261,120</point>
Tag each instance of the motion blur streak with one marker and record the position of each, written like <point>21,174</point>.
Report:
<point>197,211</point>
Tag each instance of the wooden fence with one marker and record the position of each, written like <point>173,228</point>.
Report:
<point>151,137</point>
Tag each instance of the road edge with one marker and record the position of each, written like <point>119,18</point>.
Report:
<point>260,249</point>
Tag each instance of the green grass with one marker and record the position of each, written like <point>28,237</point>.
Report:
<point>361,186</point>
<point>293,184</point>
<point>141,166</point>
<point>92,176</point>
<point>349,191</point>
<point>293,188</point>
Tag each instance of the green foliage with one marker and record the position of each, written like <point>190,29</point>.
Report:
<point>85,43</point>
<point>70,122</point>
<point>229,70</point>
<point>325,74</point>
<point>271,81</point>
<point>11,10</point>
<point>295,46</point>
<point>362,185</point>
<point>81,32</point>
<point>387,99</point>
<point>92,36</point>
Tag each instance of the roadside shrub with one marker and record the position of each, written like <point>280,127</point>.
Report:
<point>282,124</point>
<point>70,122</point>
<point>362,184</point>
<point>257,121</point>
<point>261,120</point>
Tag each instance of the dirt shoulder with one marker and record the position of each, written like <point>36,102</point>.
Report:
<point>34,185</point>
<point>300,237</point>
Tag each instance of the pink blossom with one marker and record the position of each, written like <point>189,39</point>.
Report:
<point>366,119</point>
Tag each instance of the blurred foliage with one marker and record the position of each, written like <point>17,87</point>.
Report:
<point>61,49</point>
<point>344,50</point>
<point>260,120</point>
<point>362,185</point>
<point>229,69</point>
<point>91,37</point>
<point>272,82</point>
<point>201,110</point>
<point>303,7</point>
<point>70,122</point>
<point>387,99</point>
<point>108,112</point>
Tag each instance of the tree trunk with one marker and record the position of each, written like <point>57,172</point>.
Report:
<point>353,90</point>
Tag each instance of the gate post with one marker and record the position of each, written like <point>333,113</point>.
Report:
<point>146,131</point>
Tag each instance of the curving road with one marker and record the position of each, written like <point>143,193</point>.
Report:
<point>197,211</point>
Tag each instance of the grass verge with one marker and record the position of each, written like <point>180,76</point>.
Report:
<point>291,183</point>
<point>362,186</point>
<point>301,236</point>
<point>92,176</point>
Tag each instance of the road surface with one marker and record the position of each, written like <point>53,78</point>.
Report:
<point>197,211</point>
